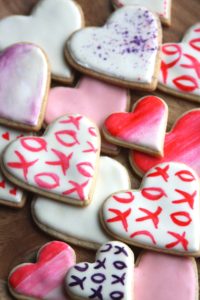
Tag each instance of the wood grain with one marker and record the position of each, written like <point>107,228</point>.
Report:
<point>19,237</point>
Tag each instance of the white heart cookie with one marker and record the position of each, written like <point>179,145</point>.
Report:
<point>125,51</point>
<point>162,215</point>
<point>49,26</point>
<point>82,226</point>
<point>111,277</point>
<point>161,7</point>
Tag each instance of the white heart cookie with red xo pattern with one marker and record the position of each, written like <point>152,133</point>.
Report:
<point>180,67</point>
<point>161,7</point>
<point>62,165</point>
<point>162,215</point>
<point>109,278</point>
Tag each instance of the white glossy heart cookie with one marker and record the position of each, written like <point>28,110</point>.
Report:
<point>110,277</point>
<point>161,7</point>
<point>49,26</point>
<point>81,226</point>
<point>61,165</point>
<point>25,79</point>
<point>162,215</point>
<point>125,51</point>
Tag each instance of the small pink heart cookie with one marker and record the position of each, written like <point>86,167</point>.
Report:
<point>143,129</point>
<point>162,215</point>
<point>91,98</point>
<point>163,277</point>
<point>109,278</point>
<point>161,7</point>
<point>62,165</point>
<point>180,71</point>
<point>125,51</point>
<point>44,279</point>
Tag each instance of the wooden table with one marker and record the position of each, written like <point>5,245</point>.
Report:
<point>19,237</point>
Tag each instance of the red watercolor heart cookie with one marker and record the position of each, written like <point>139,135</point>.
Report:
<point>180,67</point>
<point>182,144</point>
<point>162,215</point>
<point>45,278</point>
<point>156,277</point>
<point>143,129</point>
<point>61,165</point>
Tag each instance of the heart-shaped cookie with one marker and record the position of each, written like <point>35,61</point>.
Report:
<point>62,165</point>
<point>82,226</point>
<point>156,277</point>
<point>180,71</point>
<point>110,277</point>
<point>161,7</point>
<point>24,69</point>
<point>49,26</point>
<point>10,194</point>
<point>125,51</point>
<point>162,215</point>
<point>91,98</point>
<point>143,129</point>
<point>182,144</point>
<point>45,278</point>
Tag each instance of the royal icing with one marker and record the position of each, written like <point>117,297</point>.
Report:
<point>180,72</point>
<point>110,277</point>
<point>182,144</point>
<point>90,91</point>
<point>161,7</point>
<point>9,193</point>
<point>62,164</point>
<point>44,29</point>
<point>44,279</point>
<point>142,129</point>
<point>61,218</point>
<point>24,68</point>
<point>125,49</point>
<point>164,277</point>
<point>163,214</point>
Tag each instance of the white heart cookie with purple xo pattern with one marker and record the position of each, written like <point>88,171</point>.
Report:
<point>49,26</point>
<point>125,51</point>
<point>161,7</point>
<point>109,278</point>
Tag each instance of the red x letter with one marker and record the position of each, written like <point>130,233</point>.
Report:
<point>120,217</point>
<point>150,216</point>
<point>180,239</point>
<point>78,188</point>
<point>91,149</point>
<point>195,64</point>
<point>161,172</point>
<point>187,198</point>
<point>63,160</point>
<point>73,120</point>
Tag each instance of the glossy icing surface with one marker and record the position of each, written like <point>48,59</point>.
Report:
<point>125,48</point>
<point>63,162</point>
<point>24,68</point>
<point>83,224</point>
<point>109,278</point>
<point>163,214</point>
<point>43,29</point>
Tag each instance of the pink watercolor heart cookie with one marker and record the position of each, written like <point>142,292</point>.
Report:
<point>143,129</point>
<point>44,279</point>
<point>42,28</point>
<point>162,215</point>
<point>91,98</point>
<point>161,7</point>
<point>109,277</point>
<point>182,144</point>
<point>180,71</point>
<point>156,277</point>
<point>25,70</point>
<point>125,51</point>
<point>61,165</point>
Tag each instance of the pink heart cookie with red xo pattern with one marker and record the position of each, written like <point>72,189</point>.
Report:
<point>156,277</point>
<point>61,165</point>
<point>91,98</point>
<point>45,278</point>
<point>180,67</point>
<point>162,215</point>
<point>143,129</point>
<point>182,144</point>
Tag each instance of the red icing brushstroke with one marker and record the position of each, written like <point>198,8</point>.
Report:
<point>125,200</point>
<point>120,217</point>
<point>144,232</point>
<point>63,160</point>
<point>82,168</point>
<point>153,193</point>
<point>153,216</point>
<point>60,135</point>
<point>179,239</point>
<point>42,183</point>
<point>187,198</point>
<point>77,188</point>
<point>177,218</point>
<point>73,120</point>
<point>42,144</point>
<point>160,172</point>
